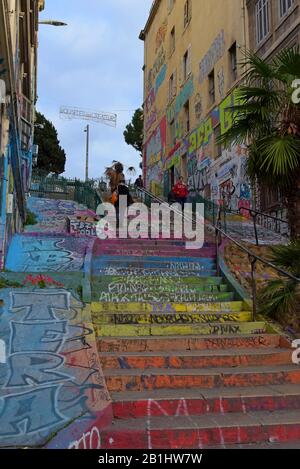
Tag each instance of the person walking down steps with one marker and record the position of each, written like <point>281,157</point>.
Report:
<point>122,190</point>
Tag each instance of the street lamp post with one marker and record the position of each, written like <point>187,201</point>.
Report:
<point>87,130</point>
<point>53,23</point>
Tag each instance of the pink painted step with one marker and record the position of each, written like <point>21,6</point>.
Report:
<point>198,432</point>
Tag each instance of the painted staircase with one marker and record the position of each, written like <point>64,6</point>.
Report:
<point>185,364</point>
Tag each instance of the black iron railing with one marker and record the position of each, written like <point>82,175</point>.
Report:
<point>147,197</point>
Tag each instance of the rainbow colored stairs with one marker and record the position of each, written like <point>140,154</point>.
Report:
<point>185,364</point>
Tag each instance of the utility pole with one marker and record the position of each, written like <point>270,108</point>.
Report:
<point>87,130</point>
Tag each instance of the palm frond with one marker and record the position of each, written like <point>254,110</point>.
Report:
<point>258,70</point>
<point>287,64</point>
<point>287,257</point>
<point>278,298</point>
<point>280,154</point>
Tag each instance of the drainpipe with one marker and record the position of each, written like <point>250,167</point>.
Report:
<point>14,125</point>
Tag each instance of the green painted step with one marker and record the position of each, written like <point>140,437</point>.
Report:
<point>138,307</point>
<point>160,297</point>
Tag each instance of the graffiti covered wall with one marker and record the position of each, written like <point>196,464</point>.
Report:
<point>222,177</point>
<point>52,381</point>
<point>154,157</point>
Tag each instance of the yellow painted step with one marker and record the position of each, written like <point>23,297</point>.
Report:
<point>98,307</point>
<point>171,318</point>
<point>220,329</point>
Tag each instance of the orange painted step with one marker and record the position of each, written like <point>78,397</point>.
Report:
<point>140,380</point>
<point>197,359</point>
<point>154,344</point>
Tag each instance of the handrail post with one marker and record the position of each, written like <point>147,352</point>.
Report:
<point>255,228</point>
<point>253,261</point>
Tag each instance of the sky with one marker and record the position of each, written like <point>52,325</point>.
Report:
<point>94,63</point>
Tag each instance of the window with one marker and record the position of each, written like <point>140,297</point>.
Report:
<point>187,116</point>
<point>211,87</point>
<point>172,41</point>
<point>285,6</point>
<point>187,12</point>
<point>171,4</point>
<point>262,20</point>
<point>172,133</point>
<point>233,62</point>
<point>187,64</point>
<point>172,86</point>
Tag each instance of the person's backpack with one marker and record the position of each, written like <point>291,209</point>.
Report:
<point>114,197</point>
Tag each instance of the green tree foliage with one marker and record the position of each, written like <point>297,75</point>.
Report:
<point>281,297</point>
<point>51,157</point>
<point>134,133</point>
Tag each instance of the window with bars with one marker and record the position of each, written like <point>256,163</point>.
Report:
<point>285,6</point>
<point>262,20</point>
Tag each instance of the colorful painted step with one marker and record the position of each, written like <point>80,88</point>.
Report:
<point>186,365</point>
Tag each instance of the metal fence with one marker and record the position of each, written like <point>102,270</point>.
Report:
<point>85,193</point>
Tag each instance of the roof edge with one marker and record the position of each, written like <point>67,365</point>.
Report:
<point>152,14</point>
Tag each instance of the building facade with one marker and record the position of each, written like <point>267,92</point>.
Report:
<point>273,26</point>
<point>18,71</point>
<point>194,50</point>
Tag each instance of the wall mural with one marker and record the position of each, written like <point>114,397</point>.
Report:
<point>154,157</point>
<point>224,179</point>
<point>55,378</point>
<point>214,54</point>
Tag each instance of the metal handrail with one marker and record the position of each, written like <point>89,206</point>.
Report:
<point>253,258</point>
<point>266,215</point>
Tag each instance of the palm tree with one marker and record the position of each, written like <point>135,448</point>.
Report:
<point>268,122</point>
<point>281,296</point>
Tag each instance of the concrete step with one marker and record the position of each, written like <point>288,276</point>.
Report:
<point>155,252</point>
<point>142,270</point>
<point>155,378</point>
<point>147,286</point>
<point>132,404</point>
<point>157,261</point>
<point>171,318</point>
<point>157,281</point>
<point>191,343</point>
<point>197,359</point>
<point>163,297</point>
<point>141,307</point>
<point>233,328</point>
<point>148,243</point>
<point>199,432</point>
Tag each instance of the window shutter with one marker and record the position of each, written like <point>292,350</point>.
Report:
<point>189,61</point>
<point>175,83</point>
<point>181,72</point>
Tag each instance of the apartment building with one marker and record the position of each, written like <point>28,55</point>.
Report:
<point>18,71</point>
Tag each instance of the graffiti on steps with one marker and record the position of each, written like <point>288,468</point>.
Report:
<point>127,318</point>
<point>88,440</point>
<point>140,297</point>
<point>142,272</point>
<point>245,342</point>
<point>83,228</point>
<point>47,254</point>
